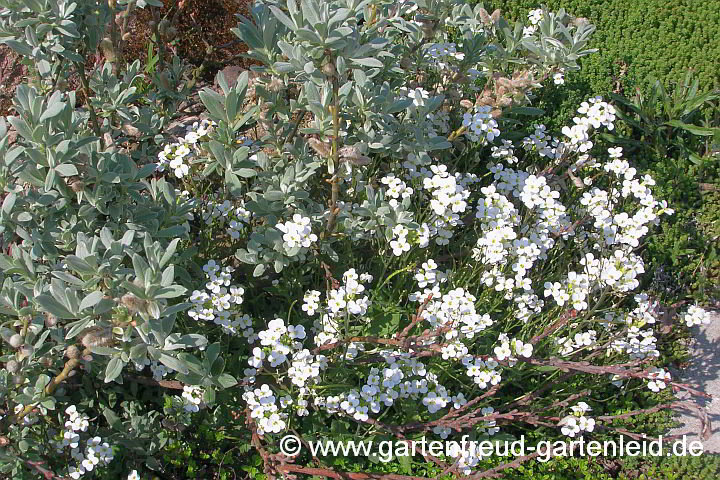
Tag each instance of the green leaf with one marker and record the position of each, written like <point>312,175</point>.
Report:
<point>53,111</point>
<point>225,380</point>
<point>258,270</point>
<point>172,291</point>
<point>215,104</point>
<point>113,370</point>
<point>112,419</point>
<point>50,305</point>
<point>91,299</point>
<point>66,170</point>
<point>368,62</point>
<point>694,129</point>
<point>284,19</point>
<point>209,396</point>
<point>246,172</point>
<point>20,47</point>
<point>173,363</point>
<point>9,203</point>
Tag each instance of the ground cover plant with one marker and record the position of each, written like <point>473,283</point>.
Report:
<point>371,238</point>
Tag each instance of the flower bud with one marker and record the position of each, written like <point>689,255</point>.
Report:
<point>352,155</point>
<point>12,366</point>
<point>50,320</point>
<point>484,16</point>
<point>329,69</point>
<point>108,49</point>
<point>16,340</point>
<point>276,84</point>
<point>322,148</point>
<point>4,441</point>
<point>72,352</point>
<point>97,337</point>
<point>132,303</point>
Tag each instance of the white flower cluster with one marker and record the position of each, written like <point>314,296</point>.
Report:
<point>577,421</point>
<point>448,200</point>
<point>481,126</point>
<point>297,234</point>
<point>396,189</point>
<point>641,342</point>
<point>508,348</point>
<point>596,113</point>
<point>403,377</point>
<point>506,241</point>
<point>219,302</point>
<point>264,410</point>
<point>455,311</point>
<point>696,316</point>
<point>504,152</point>
<point>176,156</point>
<point>483,372</point>
<point>347,299</point>
<point>542,143</point>
<point>534,16</point>
<point>400,243</point>
<point>312,302</point>
<point>281,347</point>
<point>569,345</point>
<point>235,218</point>
<point>658,379</point>
<point>96,452</point>
<point>429,274</point>
<point>192,398</point>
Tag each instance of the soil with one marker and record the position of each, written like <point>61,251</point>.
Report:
<point>12,73</point>
<point>199,25</point>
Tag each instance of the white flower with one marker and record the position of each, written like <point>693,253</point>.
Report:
<point>297,233</point>
<point>696,316</point>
